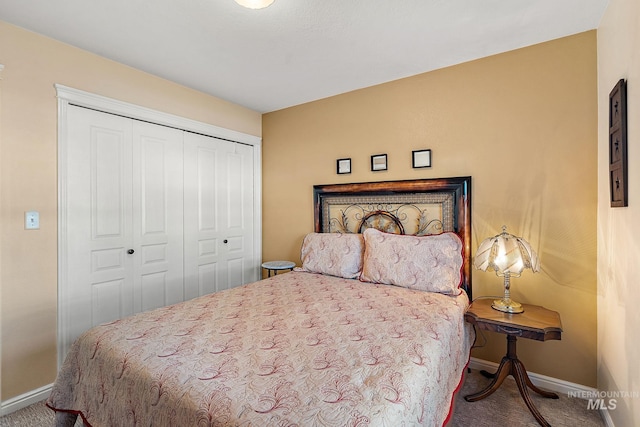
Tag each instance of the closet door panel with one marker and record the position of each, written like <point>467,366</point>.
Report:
<point>202,240</point>
<point>157,215</point>
<point>207,275</point>
<point>98,205</point>
<point>206,185</point>
<point>107,301</point>
<point>124,219</point>
<point>239,213</point>
<point>235,272</point>
<point>216,235</point>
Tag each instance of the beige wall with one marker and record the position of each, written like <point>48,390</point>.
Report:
<point>523,124</point>
<point>619,228</point>
<point>28,263</point>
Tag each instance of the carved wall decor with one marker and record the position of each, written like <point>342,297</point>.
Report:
<point>618,145</point>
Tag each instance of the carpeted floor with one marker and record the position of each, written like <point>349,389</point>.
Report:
<point>505,407</point>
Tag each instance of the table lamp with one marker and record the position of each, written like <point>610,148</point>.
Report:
<point>508,256</point>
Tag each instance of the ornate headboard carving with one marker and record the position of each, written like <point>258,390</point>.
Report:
<point>426,206</point>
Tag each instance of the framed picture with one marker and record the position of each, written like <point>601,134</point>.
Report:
<point>618,173</point>
<point>343,166</point>
<point>379,162</point>
<point>421,158</point>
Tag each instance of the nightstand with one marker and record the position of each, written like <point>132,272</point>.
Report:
<point>275,266</point>
<point>536,323</point>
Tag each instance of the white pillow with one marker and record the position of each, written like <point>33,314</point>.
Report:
<point>335,254</point>
<point>430,263</point>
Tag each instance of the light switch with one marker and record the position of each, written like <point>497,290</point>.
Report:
<point>32,220</point>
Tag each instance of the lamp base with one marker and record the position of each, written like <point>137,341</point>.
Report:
<point>507,306</point>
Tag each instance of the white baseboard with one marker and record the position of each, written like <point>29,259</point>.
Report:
<point>547,383</point>
<point>25,400</point>
<point>606,417</point>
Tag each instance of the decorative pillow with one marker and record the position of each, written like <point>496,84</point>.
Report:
<point>335,254</point>
<point>427,263</point>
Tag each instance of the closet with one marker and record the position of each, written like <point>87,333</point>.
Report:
<point>150,215</point>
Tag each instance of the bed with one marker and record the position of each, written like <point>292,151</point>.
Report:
<point>368,331</point>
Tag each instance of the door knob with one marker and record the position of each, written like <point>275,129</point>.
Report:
<point>225,241</point>
<point>130,251</point>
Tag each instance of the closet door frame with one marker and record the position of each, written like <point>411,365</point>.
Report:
<point>70,96</point>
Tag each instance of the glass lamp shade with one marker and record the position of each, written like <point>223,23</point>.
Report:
<point>255,4</point>
<point>507,255</point>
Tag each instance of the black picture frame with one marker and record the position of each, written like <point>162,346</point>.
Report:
<point>421,158</point>
<point>378,162</point>
<point>343,166</point>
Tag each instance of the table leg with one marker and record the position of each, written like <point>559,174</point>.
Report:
<point>504,370</point>
<point>543,393</point>
<point>511,365</point>
<point>522,380</point>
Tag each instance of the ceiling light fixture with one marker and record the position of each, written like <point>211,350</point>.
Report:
<point>255,4</point>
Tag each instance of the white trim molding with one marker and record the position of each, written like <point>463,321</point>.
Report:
<point>24,400</point>
<point>548,383</point>
<point>542,381</point>
<point>121,108</point>
<point>606,417</point>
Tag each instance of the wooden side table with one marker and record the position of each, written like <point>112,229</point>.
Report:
<point>535,323</point>
<point>275,266</point>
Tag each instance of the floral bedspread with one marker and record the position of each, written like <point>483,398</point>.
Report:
<point>298,349</point>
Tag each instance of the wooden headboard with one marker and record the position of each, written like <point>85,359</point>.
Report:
<point>419,207</point>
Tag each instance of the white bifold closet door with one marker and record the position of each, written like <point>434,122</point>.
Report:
<point>218,214</point>
<point>154,216</point>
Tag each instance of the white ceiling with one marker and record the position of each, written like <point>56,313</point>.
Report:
<point>296,51</point>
